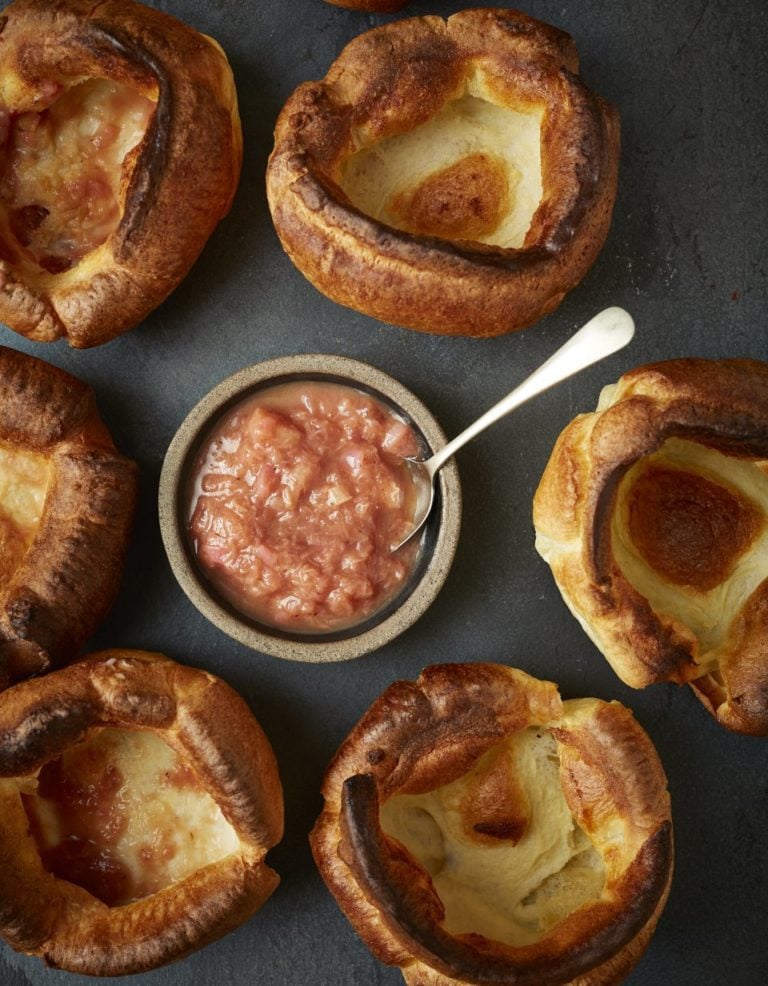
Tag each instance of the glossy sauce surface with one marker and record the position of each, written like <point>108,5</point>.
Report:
<point>298,496</point>
<point>123,816</point>
<point>61,171</point>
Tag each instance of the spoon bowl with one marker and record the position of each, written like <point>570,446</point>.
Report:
<point>608,332</point>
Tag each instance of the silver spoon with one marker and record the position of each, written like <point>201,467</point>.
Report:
<point>606,333</point>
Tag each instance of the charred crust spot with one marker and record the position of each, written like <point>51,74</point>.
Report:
<point>374,864</point>
<point>143,707</point>
<point>21,614</point>
<point>590,169</point>
<point>515,25</point>
<point>311,191</point>
<point>56,265</point>
<point>653,863</point>
<point>26,220</point>
<point>496,806</point>
<point>512,830</point>
<point>44,733</point>
<point>155,146</point>
<point>338,213</point>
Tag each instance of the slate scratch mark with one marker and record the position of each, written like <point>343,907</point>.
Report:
<point>693,30</point>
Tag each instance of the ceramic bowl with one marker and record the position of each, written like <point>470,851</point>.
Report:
<point>439,542</point>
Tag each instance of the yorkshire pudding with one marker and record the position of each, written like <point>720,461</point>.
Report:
<point>138,799</point>
<point>450,176</point>
<point>477,830</point>
<point>67,498</point>
<point>381,6</point>
<point>652,515</point>
<point>120,150</point>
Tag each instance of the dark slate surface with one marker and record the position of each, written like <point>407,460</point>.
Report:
<point>686,255</point>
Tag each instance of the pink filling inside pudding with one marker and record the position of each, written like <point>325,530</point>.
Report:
<point>62,175</point>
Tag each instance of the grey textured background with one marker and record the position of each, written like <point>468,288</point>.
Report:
<point>686,255</point>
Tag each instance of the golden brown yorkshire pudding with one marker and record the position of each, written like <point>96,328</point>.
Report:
<point>138,799</point>
<point>67,498</point>
<point>450,176</point>
<point>477,830</point>
<point>120,150</point>
<point>381,6</point>
<point>652,514</point>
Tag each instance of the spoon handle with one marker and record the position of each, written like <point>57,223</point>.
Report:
<point>606,333</point>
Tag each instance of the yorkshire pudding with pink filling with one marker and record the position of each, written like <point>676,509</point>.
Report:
<point>120,151</point>
<point>652,515</point>
<point>67,499</point>
<point>478,830</point>
<point>138,799</point>
<point>454,176</point>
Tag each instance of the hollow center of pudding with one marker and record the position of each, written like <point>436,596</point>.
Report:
<point>472,172</point>
<point>124,816</point>
<point>690,534</point>
<point>298,496</point>
<point>62,174</point>
<point>690,529</point>
<point>505,854</point>
<point>24,481</point>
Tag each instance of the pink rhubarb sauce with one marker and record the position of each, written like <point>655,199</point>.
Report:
<point>91,819</point>
<point>123,816</point>
<point>61,171</point>
<point>298,497</point>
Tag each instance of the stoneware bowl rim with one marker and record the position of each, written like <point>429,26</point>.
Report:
<point>171,499</point>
